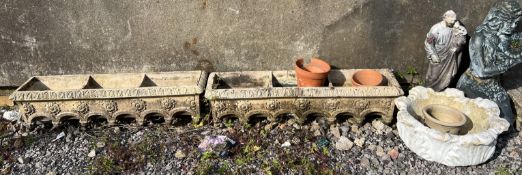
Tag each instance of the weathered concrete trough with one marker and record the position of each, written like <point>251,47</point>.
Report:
<point>121,97</point>
<point>274,95</point>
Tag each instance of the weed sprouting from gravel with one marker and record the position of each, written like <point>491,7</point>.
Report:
<point>122,157</point>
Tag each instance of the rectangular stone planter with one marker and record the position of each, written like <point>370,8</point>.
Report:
<point>113,97</point>
<point>274,94</point>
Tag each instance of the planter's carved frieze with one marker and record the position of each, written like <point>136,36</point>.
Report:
<point>28,109</point>
<point>221,106</point>
<point>168,103</point>
<point>139,105</point>
<point>81,107</point>
<point>53,108</point>
<point>362,104</point>
<point>244,106</point>
<point>111,106</point>
<point>192,103</point>
<point>303,104</point>
<point>332,104</point>
<point>273,105</point>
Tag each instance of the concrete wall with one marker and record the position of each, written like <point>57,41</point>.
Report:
<point>106,36</point>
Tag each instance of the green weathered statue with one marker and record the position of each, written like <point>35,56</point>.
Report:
<point>491,55</point>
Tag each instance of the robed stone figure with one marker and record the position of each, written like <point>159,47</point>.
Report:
<point>444,43</point>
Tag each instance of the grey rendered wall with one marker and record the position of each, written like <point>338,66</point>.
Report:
<point>43,37</point>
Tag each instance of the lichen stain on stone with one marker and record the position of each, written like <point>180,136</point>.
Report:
<point>205,65</point>
<point>191,46</point>
<point>186,45</point>
<point>204,4</point>
<point>31,43</point>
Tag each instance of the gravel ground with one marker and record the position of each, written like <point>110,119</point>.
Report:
<point>285,148</point>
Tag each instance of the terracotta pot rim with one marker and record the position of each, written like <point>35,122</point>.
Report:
<point>306,78</point>
<point>312,75</point>
<point>460,115</point>
<point>299,63</point>
<point>372,72</point>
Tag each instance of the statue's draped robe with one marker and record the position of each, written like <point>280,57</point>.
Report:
<point>446,44</point>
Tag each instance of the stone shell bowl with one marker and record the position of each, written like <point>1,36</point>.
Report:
<point>475,146</point>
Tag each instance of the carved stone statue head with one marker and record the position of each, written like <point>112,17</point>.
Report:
<point>502,18</point>
<point>449,18</point>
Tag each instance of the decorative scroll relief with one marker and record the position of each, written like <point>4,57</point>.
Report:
<point>244,106</point>
<point>362,104</point>
<point>273,105</point>
<point>139,105</point>
<point>111,106</point>
<point>221,106</point>
<point>28,109</point>
<point>53,108</point>
<point>168,103</point>
<point>303,104</point>
<point>192,103</point>
<point>332,104</point>
<point>81,107</point>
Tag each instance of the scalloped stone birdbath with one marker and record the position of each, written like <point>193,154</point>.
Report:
<point>478,138</point>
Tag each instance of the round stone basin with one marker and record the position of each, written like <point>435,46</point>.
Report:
<point>444,118</point>
<point>477,137</point>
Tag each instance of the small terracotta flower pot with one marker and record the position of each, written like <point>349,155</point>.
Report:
<point>313,74</point>
<point>367,77</point>
<point>444,118</point>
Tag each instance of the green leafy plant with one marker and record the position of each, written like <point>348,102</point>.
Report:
<point>313,148</point>
<point>229,123</point>
<point>123,158</point>
<point>515,44</point>
<point>225,166</point>
<point>239,161</point>
<point>398,74</point>
<point>409,76</point>
<point>29,140</point>
<point>264,133</point>
<point>247,126</point>
<point>501,170</point>
<point>208,155</point>
<point>104,165</point>
<point>199,122</point>
<point>325,151</point>
<point>411,70</point>
<point>309,167</point>
<point>204,167</point>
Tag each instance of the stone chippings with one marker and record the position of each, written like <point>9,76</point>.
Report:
<point>164,150</point>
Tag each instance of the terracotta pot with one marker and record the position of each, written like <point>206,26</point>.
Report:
<point>367,77</point>
<point>444,118</point>
<point>313,74</point>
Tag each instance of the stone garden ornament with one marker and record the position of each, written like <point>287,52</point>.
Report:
<point>443,45</point>
<point>491,55</point>
<point>473,145</point>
